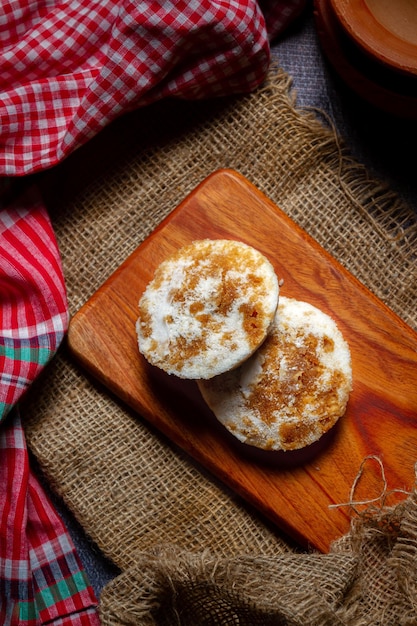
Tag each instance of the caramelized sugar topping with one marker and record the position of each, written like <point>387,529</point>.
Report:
<point>208,307</point>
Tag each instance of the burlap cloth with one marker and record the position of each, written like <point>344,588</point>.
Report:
<point>191,552</point>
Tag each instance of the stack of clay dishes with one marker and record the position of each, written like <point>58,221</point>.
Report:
<point>372,45</point>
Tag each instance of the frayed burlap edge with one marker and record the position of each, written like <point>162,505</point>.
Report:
<point>369,577</point>
<point>172,586</point>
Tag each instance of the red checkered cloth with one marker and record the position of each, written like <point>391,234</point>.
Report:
<point>68,68</point>
<point>41,578</point>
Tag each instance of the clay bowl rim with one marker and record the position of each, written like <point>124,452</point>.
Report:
<point>381,95</point>
<point>383,45</point>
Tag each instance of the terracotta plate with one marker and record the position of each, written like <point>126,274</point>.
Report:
<point>385,29</point>
<point>380,83</point>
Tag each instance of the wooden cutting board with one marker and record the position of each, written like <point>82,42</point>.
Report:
<point>381,420</point>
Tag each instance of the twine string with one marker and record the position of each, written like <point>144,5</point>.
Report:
<point>383,495</point>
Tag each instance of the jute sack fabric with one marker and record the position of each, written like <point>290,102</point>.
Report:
<point>169,526</point>
<point>369,577</point>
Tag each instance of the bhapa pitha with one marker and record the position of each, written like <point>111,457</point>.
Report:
<point>293,389</point>
<point>207,309</point>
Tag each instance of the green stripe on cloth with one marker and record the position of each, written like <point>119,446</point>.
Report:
<point>23,351</point>
<point>50,596</point>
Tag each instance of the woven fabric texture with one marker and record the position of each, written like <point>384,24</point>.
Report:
<point>367,578</point>
<point>129,487</point>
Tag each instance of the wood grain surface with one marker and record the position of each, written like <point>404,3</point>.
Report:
<point>296,491</point>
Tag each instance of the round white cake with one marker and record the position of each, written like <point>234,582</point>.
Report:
<point>207,309</point>
<point>293,389</point>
